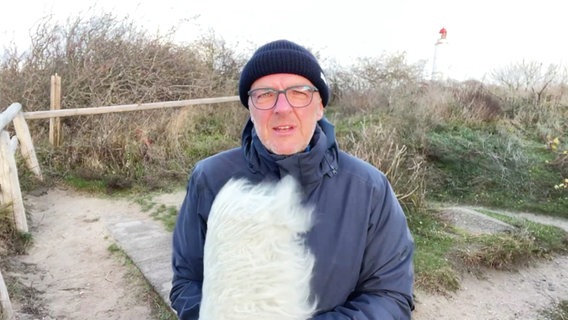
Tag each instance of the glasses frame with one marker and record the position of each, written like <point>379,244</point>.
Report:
<point>309,88</point>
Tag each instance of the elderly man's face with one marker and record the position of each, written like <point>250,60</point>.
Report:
<point>285,129</point>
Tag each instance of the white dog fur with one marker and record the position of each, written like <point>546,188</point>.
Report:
<point>256,264</point>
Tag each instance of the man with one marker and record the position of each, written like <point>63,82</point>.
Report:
<point>360,240</point>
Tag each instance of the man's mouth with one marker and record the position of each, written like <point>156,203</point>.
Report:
<point>283,128</point>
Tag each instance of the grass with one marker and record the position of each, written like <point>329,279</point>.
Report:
<point>559,311</point>
<point>166,214</point>
<point>160,310</point>
<point>547,239</point>
<point>488,165</point>
<point>91,185</point>
<point>12,241</point>
<point>443,253</point>
<point>434,269</point>
<point>500,251</point>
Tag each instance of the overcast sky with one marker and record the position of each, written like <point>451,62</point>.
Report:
<point>483,35</point>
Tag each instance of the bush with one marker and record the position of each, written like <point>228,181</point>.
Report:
<point>104,61</point>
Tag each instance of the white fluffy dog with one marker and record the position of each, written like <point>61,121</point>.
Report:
<point>256,264</point>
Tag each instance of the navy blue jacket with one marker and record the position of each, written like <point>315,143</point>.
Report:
<point>360,238</point>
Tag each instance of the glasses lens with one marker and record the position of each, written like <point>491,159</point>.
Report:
<point>299,96</point>
<point>264,98</point>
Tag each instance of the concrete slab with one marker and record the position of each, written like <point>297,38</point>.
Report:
<point>149,246</point>
<point>474,222</point>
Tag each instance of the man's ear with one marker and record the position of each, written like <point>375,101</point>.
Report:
<point>320,112</point>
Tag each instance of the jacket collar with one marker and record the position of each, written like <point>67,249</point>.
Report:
<point>307,167</point>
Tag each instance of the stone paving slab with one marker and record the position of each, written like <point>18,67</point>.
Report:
<point>474,222</point>
<point>149,246</point>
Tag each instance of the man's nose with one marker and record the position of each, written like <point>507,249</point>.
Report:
<point>282,103</point>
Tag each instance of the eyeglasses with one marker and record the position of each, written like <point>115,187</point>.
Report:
<point>297,96</point>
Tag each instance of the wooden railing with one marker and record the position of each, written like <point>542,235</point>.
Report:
<point>55,112</point>
<point>9,182</point>
<point>6,311</point>
<point>11,195</point>
<point>124,108</point>
<point>10,192</point>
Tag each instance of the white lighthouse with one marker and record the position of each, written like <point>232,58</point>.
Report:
<point>441,63</point>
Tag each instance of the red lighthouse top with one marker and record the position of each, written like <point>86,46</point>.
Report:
<point>443,32</point>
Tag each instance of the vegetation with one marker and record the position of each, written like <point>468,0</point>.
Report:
<point>166,214</point>
<point>160,310</point>
<point>11,241</point>
<point>500,144</point>
<point>556,312</point>
<point>527,242</point>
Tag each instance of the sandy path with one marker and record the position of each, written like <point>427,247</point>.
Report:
<point>80,279</point>
<point>71,263</point>
<point>501,296</point>
<point>504,295</point>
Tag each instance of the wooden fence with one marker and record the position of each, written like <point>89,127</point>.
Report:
<point>10,192</point>
<point>6,311</point>
<point>125,108</point>
<point>55,112</point>
<point>9,183</point>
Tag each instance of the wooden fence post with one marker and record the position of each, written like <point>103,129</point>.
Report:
<point>55,104</point>
<point>10,193</point>
<point>6,311</point>
<point>10,182</point>
<point>27,145</point>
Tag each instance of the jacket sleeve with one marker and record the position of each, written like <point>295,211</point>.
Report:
<point>385,286</point>
<point>187,252</point>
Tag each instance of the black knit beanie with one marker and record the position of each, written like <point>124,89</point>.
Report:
<point>282,56</point>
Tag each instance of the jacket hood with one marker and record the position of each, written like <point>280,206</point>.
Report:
<point>307,167</point>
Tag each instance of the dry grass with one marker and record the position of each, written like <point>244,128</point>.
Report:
<point>11,241</point>
<point>104,61</point>
<point>379,145</point>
